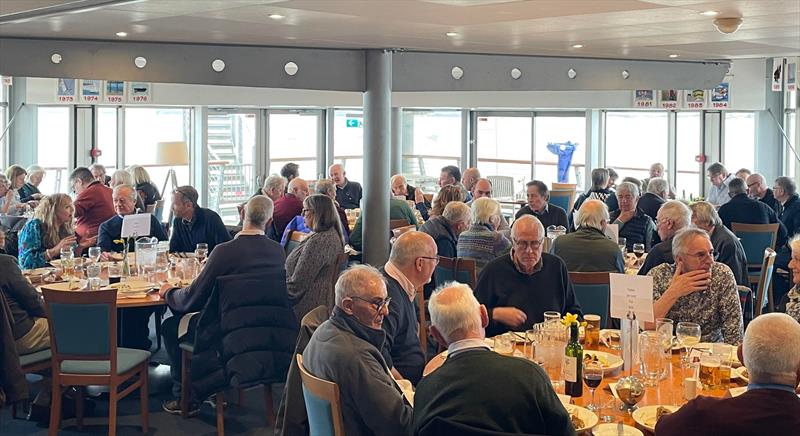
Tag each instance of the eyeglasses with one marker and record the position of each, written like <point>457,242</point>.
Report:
<point>703,254</point>
<point>750,185</point>
<point>377,304</point>
<point>434,258</point>
<point>529,245</point>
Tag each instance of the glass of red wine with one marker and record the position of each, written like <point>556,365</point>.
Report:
<point>592,377</point>
<point>638,250</point>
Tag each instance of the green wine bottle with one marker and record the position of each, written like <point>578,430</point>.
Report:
<point>573,364</point>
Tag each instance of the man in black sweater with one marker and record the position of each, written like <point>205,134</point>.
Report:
<point>194,224</point>
<point>410,266</point>
<point>757,189</point>
<point>517,397</point>
<point>742,209</point>
<point>538,206</point>
<point>517,289</point>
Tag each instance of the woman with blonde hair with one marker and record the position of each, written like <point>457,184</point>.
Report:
<point>50,230</point>
<point>144,186</point>
<point>447,194</point>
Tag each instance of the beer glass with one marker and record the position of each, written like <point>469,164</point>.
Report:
<point>709,371</point>
<point>592,335</point>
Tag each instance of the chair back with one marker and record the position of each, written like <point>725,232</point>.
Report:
<point>564,186</point>
<point>396,232</point>
<point>746,299</point>
<point>322,404</point>
<point>502,187</point>
<point>396,224</point>
<point>83,325</point>
<point>562,198</point>
<point>755,238</point>
<point>593,291</point>
<point>764,289</point>
<point>457,269</point>
<point>295,238</point>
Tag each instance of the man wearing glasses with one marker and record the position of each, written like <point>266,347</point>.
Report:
<point>518,289</point>
<point>411,264</point>
<point>671,218</point>
<point>698,289</point>
<point>346,350</point>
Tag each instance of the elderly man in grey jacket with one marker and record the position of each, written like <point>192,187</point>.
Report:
<point>346,350</point>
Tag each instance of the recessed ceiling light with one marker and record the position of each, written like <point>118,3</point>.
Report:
<point>709,13</point>
<point>277,16</point>
<point>577,45</point>
<point>122,34</point>
<point>451,34</point>
<point>673,55</point>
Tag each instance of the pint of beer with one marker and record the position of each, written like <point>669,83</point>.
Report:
<point>710,371</point>
<point>592,335</point>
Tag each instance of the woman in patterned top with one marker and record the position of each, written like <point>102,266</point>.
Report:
<point>50,230</point>
<point>481,241</point>
<point>698,289</point>
<point>793,305</point>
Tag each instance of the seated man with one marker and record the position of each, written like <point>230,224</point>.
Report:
<point>728,246</point>
<point>538,206</point>
<point>93,203</point>
<point>411,194</point>
<point>671,218</point>
<point>289,206</point>
<point>757,189</point>
<point>518,289</point>
<point>483,189</point>
<point>125,197</point>
<point>445,229</point>
<point>720,178</point>
<point>251,251</point>
<point>654,198</point>
<point>346,350</point>
<point>451,392</point>
<point>348,193</point>
<point>786,193</point>
<point>587,249</point>
<point>194,224</point>
<point>698,289</point>
<point>771,353</point>
<point>410,266</point>
<point>99,173</point>
<point>745,210</point>
<point>324,187</point>
<point>398,210</point>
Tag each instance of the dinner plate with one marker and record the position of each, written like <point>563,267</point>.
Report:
<point>132,286</point>
<point>609,361</point>
<point>611,429</point>
<point>182,283</point>
<point>646,416</point>
<point>75,285</point>
<point>588,417</point>
<point>741,373</point>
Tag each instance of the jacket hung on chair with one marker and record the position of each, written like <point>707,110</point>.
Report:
<point>246,333</point>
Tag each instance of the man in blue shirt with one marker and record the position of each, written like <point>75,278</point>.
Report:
<point>348,194</point>
<point>193,224</point>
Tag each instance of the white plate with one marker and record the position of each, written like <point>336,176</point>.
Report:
<point>133,286</point>
<point>609,361</point>
<point>740,373</point>
<point>75,285</point>
<point>610,429</point>
<point>587,416</point>
<point>646,416</point>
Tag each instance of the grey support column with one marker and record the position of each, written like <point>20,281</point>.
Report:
<point>397,141</point>
<point>377,139</point>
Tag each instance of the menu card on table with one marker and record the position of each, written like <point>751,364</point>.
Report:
<point>631,294</point>
<point>135,225</point>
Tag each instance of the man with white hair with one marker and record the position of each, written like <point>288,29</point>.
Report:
<point>411,264</point>
<point>770,406</point>
<point>671,218</point>
<point>518,289</point>
<point>446,400</point>
<point>346,350</point>
<point>657,170</point>
<point>290,205</point>
<point>757,189</point>
<point>274,187</point>
<point>587,249</point>
<point>445,229</point>
<point>412,195</point>
<point>348,193</point>
<point>654,197</point>
<point>99,173</point>
<point>30,190</point>
<point>124,197</point>
<point>698,289</point>
<point>730,249</point>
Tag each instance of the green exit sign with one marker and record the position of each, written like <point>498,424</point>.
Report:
<point>353,122</point>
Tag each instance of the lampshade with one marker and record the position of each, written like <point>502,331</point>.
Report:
<point>172,153</point>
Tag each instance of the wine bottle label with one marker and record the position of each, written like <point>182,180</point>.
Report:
<point>570,369</point>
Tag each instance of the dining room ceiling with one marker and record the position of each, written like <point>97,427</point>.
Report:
<point>625,29</point>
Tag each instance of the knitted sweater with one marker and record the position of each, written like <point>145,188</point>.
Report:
<point>482,244</point>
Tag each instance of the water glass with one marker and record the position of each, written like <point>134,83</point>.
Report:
<point>651,355</point>
<point>531,339</point>
<point>93,274</point>
<point>94,253</point>
<point>188,266</point>
<point>552,316</point>
<point>664,327</point>
<point>622,242</point>
<point>503,344</point>
<point>553,341</point>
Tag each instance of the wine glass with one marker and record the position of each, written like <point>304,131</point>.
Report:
<point>94,253</point>
<point>688,334</point>
<point>638,250</point>
<point>201,252</point>
<point>593,376</point>
<point>622,243</point>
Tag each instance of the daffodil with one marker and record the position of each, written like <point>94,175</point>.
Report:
<point>569,318</point>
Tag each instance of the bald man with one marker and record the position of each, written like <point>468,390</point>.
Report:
<point>757,189</point>
<point>483,189</point>
<point>289,206</point>
<point>518,289</point>
<point>348,194</point>
<point>468,179</point>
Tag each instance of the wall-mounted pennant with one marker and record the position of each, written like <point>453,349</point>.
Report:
<point>66,91</point>
<point>721,96</point>
<point>668,98</point>
<point>140,92</point>
<point>777,74</point>
<point>694,99</point>
<point>791,76</point>
<point>91,91</point>
<point>115,91</point>
<point>644,98</point>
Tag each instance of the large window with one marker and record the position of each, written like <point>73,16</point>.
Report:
<point>636,140</point>
<point>688,146</point>
<point>53,147</point>
<point>431,140</point>
<point>232,139</point>
<point>293,137</point>
<point>552,135</point>
<point>738,149</point>
<point>107,137</point>
<point>348,142</point>
<point>504,149</point>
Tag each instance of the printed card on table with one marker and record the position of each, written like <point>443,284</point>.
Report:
<point>115,91</point>
<point>644,98</point>
<point>612,232</point>
<point>137,224</point>
<point>91,91</point>
<point>668,98</point>
<point>632,294</point>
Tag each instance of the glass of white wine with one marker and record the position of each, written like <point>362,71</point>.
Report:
<point>688,334</point>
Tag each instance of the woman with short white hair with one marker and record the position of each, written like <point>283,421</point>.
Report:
<point>634,225</point>
<point>30,190</point>
<point>793,304</point>
<point>482,242</point>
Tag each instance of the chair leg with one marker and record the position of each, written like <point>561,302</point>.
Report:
<point>113,397</point>
<point>158,314</point>
<point>184,384</point>
<point>241,397</point>
<point>144,393</point>
<point>14,410</point>
<point>55,409</point>
<point>220,400</point>
<point>79,407</point>
<point>270,406</point>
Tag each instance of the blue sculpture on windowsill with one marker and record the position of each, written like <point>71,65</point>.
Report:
<point>564,152</point>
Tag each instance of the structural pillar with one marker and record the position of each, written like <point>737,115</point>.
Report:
<point>397,141</point>
<point>377,140</point>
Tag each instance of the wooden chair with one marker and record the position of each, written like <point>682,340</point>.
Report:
<point>341,264</point>
<point>396,224</point>
<point>396,232</point>
<point>83,341</point>
<point>764,289</point>
<point>562,198</point>
<point>457,269</point>
<point>755,238</point>
<point>295,238</point>
<point>323,403</point>
<point>593,290</point>
<point>565,186</point>
<point>32,363</point>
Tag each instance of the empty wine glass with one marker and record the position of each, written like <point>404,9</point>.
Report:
<point>593,376</point>
<point>688,334</point>
<point>94,253</point>
<point>622,242</point>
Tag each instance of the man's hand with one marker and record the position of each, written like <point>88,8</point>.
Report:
<point>685,284</point>
<point>166,287</point>
<point>418,196</point>
<point>510,316</point>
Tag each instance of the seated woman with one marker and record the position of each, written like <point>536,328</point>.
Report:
<point>50,230</point>
<point>793,305</point>
<point>324,187</point>
<point>447,194</point>
<point>634,225</point>
<point>30,190</point>
<point>8,201</point>
<point>309,266</point>
<point>144,186</point>
<point>15,176</point>
<point>481,241</point>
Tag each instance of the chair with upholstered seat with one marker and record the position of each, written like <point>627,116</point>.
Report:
<point>755,238</point>
<point>323,404</point>
<point>563,198</point>
<point>83,341</point>
<point>593,290</point>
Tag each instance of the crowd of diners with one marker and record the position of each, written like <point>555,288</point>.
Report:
<point>367,329</point>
